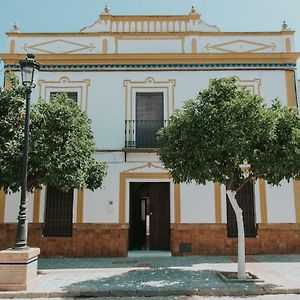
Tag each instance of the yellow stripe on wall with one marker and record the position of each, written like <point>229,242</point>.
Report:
<point>263,201</point>
<point>36,205</point>
<point>292,102</point>
<point>177,206</point>
<point>80,205</point>
<point>218,210</point>
<point>290,88</point>
<point>297,200</point>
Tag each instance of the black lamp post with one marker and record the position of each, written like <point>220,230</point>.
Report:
<point>28,70</point>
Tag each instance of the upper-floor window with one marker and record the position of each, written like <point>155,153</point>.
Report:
<point>71,95</point>
<point>149,118</point>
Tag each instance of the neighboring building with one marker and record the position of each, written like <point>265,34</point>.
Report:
<point>129,73</point>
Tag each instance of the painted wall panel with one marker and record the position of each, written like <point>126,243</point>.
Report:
<point>12,207</point>
<point>197,203</point>
<point>280,203</point>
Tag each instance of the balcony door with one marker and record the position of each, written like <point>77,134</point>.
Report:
<point>149,119</point>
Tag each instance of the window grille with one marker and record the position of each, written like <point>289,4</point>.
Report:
<point>245,199</point>
<point>58,212</point>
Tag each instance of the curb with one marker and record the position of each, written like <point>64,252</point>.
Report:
<point>149,293</point>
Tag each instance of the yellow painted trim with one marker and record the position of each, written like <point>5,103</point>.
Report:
<point>290,88</point>
<point>147,165</point>
<point>132,87</point>
<point>287,57</point>
<point>122,198</point>
<point>184,33</point>
<point>297,200</point>
<point>12,46</point>
<point>260,46</point>
<point>80,47</point>
<point>64,83</point>
<point>253,84</point>
<point>134,175</point>
<point>105,46</point>
<point>7,83</point>
<point>80,205</point>
<point>145,37</point>
<point>36,205</point>
<point>218,209</point>
<point>2,205</point>
<point>194,46</point>
<point>288,45</point>
<point>263,201</point>
<point>177,204</point>
<point>88,84</point>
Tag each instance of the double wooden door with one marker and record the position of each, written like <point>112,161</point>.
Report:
<point>149,216</point>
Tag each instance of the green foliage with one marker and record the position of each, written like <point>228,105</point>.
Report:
<point>61,144</point>
<point>224,127</point>
<point>11,134</point>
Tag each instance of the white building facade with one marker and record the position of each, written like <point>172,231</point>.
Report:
<point>129,73</point>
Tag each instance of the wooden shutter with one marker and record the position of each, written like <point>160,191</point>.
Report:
<point>245,199</point>
<point>149,118</point>
<point>58,219</point>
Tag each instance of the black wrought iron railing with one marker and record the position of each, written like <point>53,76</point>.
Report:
<point>142,133</point>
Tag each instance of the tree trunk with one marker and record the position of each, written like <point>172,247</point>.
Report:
<point>241,233</point>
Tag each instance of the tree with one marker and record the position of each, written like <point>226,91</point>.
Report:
<point>213,137</point>
<point>61,144</point>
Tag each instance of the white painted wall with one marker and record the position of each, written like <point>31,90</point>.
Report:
<point>91,44</point>
<point>197,203</point>
<point>12,204</point>
<point>106,100</point>
<point>280,203</point>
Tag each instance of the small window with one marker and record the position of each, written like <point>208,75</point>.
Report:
<point>71,95</point>
<point>245,199</point>
<point>58,212</point>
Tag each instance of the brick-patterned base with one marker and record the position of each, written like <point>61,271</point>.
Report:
<point>88,240</point>
<point>211,239</point>
<point>111,240</point>
<point>18,269</point>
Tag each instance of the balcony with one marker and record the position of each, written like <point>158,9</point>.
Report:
<point>141,134</point>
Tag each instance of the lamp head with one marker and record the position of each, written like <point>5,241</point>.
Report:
<point>29,67</point>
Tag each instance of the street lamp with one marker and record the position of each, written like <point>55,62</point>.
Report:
<point>28,70</point>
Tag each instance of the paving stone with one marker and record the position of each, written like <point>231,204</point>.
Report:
<point>162,276</point>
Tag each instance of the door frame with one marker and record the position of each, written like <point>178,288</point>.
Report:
<point>156,197</point>
<point>124,193</point>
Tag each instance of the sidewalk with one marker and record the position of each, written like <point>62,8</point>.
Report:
<point>161,276</point>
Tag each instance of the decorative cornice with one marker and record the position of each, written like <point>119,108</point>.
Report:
<point>161,67</point>
<point>157,58</point>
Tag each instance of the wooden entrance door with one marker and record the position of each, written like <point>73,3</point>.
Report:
<point>149,205</point>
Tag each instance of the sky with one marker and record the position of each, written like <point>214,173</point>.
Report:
<point>72,15</point>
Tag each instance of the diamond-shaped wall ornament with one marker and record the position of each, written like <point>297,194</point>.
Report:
<point>240,46</point>
<point>58,47</point>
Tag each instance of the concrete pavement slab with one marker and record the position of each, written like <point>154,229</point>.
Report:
<point>161,276</point>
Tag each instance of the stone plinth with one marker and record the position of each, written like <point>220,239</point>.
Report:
<point>18,269</point>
